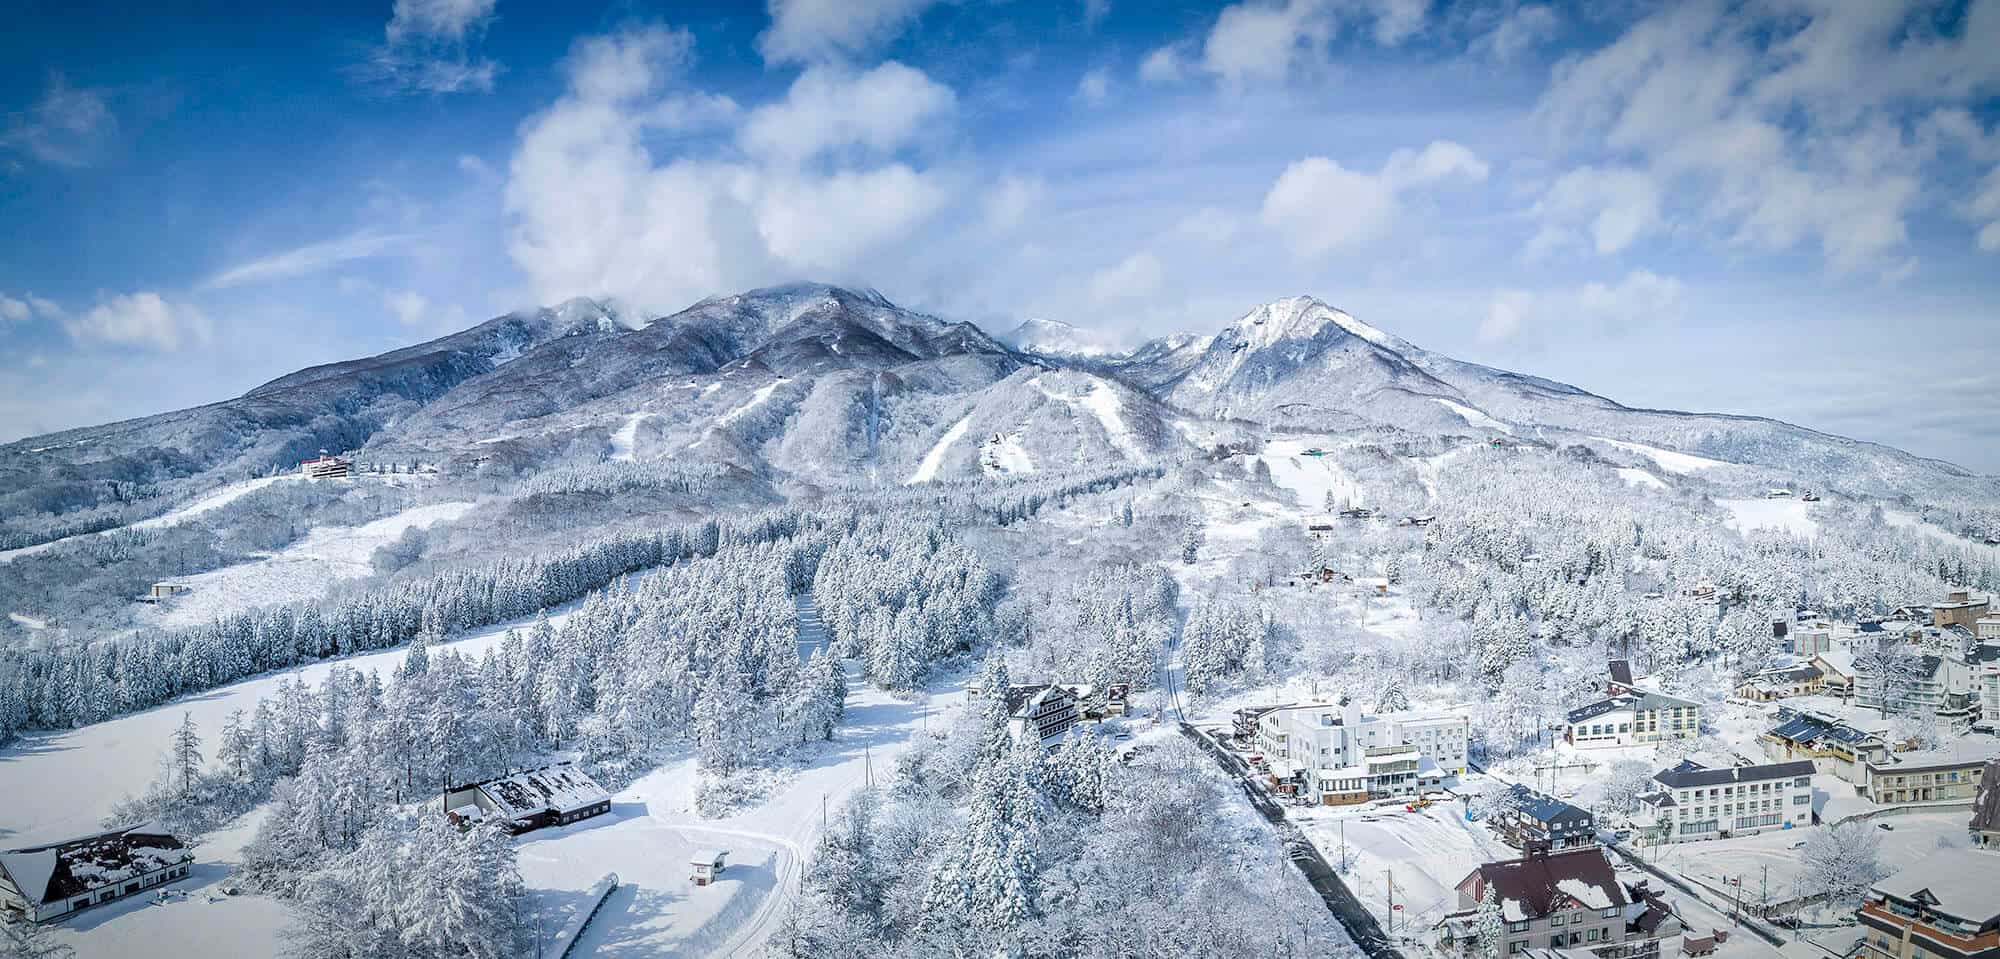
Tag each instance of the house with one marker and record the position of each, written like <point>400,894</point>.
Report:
<point>46,883</point>
<point>550,796</point>
<point>707,864</point>
<point>1046,710</point>
<point>1356,512</point>
<point>324,466</point>
<point>1987,627</point>
<point>1812,639</point>
<point>1985,825</point>
<point>1566,899</point>
<point>1631,715</point>
<point>1984,664</point>
<point>1946,906</point>
<point>1960,608</point>
<point>161,592</point>
<point>1836,672</point>
<point>1539,819</point>
<point>1338,753</point>
<point>1696,802</point>
<point>1834,746</point>
<point>1115,700</point>
<point>1948,774</point>
<point>1779,683</point>
<point>1318,525</point>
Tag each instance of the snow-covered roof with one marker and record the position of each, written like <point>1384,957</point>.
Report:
<point>707,857</point>
<point>1956,754</point>
<point>562,788</point>
<point>1690,773</point>
<point>1536,885</point>
<point>1959,882</point>
<point>60,870</point>
<point>30,872</point>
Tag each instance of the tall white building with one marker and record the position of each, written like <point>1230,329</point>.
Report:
<point>1340,754</point>
<point>1696,802</point>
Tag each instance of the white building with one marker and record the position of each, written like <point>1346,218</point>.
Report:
<point>1940,685</point>
<point>1696,802</point>
<point>1632,716</point>
<point>325,466</point>
<point>1046,711</point>
<point>1985,667</point>
<point>1341,754</point>
<point>550,796</point>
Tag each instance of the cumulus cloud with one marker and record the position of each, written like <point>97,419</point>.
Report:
<point>13,310</point>
<point>67,127</point>
<point>144,319</point>
<point>1011,199</point>
<point>1094,85</point>
<point>428,47</point>
<point>1259,40</point>
<point>830,108</point>
<point>593,211</point>
<point>307,259</point>
<point>415,311</point>
<point>808,31</point>
<point>1163,66</point>
<point>1617,205</point>
<point>1748,120</point>
<point>1135,277</point>
<point>1320,206</point>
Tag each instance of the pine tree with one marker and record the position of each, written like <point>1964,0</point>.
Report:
<point>186,755</point>
<point>1490,925</point>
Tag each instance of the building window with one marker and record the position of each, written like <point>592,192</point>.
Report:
<point>1517,947</point>
<point>1521,926</point>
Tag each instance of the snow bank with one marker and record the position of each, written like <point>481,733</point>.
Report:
<point>927,470</point>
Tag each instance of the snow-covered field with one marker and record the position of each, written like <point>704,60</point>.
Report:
<point>1311,479</point>
<point>1425,853</point>
<point>1789,515</point>
<point>1670,460</point>
<point>1004,455</point>
<point>625,436</point>
<point>1909,520</point>
<point>1639,477</point>
<point>1773,857</point>
<point>1473,417</point>
<point>213,501</point>
<point>302,570</point>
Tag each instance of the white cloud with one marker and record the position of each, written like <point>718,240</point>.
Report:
<point>592,210</point>
<point>1094,12</point>
<point>1518,31</point>
<point>1618,205</point>
<point>1772,125</point>
<point>1320,206</point>
<point>307,259</point>
<point>830,108</point>
<point>1638,299</point>
<point>142,319</point>
<point>1009,202</point>
<point>13,310</point>
<point>67,127</point>
<point>1642,296</point>
<point>428,48</point>
<point>1094,85</point>
<point>1136,277</point>
<point>809,31</point>
<point>1985,206</point>
<point>46,309</point>
<point>415,311</point>
<point>1162,66</point>
<point>1260,41</point>
<point>1504,316</point>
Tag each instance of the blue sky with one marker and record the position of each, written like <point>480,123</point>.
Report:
<point>1781,207</point>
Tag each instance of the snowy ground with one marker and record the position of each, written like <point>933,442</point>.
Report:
<point>1903,518</point>
<point>1473,417</point>
<point>625,436</point>
<point>1790,515</point>
<point>1669,460</point>
<point>1311,479</point>
<point>928,467</point>
<point>215,500</point>
<point>1639,477</point>
<point>1425,853</point>
<point>1715,863</point>
<point>302,570</point>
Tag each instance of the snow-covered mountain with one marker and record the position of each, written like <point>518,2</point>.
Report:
<point>1056,338</point>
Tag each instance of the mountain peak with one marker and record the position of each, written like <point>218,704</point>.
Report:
<point>1055,337</point>
<point>1303,317</point>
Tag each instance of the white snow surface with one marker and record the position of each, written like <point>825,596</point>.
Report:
<point>756,399</point>
<point>927,469</point>
<point>302,570</point>
<point>1909,520</point>
<point>1790,515</point>
<point>625,436</point>
<point>215,500</point>
<point>1669,460</point>
<point>1638,477</point>
<point>1104,404</point>
<point>1471,416</point>
<point>1591,896</point>
<point>1309,478</point>
<point>1004,456</point>
<point>30,622</point>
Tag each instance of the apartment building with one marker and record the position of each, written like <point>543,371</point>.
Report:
<point>1939,685</point>
<point>1632,715</point>
<point>1947,774</point>
<point>1947,906</point>
<point>1696,802</point>
<point>1960,608</point>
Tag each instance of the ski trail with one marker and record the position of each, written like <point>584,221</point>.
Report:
<point>927,469</point>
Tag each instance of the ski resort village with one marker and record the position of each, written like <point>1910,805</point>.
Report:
<point>1023,658</point>
<point>953,479</point>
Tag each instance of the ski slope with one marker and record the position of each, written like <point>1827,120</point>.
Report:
<point>928,468</point>
<point>1669,460</point>
<point>625,436</point>
<point>1789,515</point>
<point>1473,417</point>
<point>1309,478</point>
<point>209,503</point>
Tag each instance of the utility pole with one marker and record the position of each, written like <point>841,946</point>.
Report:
<point>1764,895</point>
<point>1343,845</point>
<point>1390,874</point>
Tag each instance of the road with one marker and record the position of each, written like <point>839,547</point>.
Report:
<point>1340,901</point>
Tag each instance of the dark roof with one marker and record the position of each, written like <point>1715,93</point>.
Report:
<point>1690,773</point>
<point>1986,802</point>
<point>1806,671</point>
<point>1601,707</point>
<point>1534,881</point>
<point>58,871</point>
<point>1545,808</point>
<point>1621,671</point>
<point>1809,727</point>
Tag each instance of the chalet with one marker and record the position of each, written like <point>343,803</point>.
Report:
<point>46,883</point>
<point>706,864</point>
<point>324,466</point>
<point>1048,711</point>
<point>550,796</point>
<point>1785,681</point>
<point>161,592</point>
<point>1947,906</point>
<point>1696,802</point>
<point>1949,774</point>
<point>1538,819</point>
<point>1836,672</point>
<point>1553,899</point>
<point>1834,746</point>
<point>1985,825</point>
